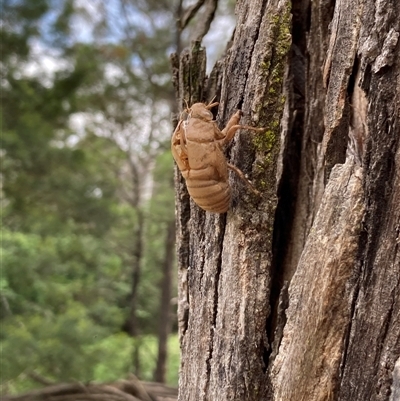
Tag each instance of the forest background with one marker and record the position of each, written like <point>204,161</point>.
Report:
<point>88,241</point>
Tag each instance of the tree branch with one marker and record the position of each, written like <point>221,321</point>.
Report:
<point>39,378</point>
<point>189,14</point>
<point>205,19</point>
<point>123,390</point>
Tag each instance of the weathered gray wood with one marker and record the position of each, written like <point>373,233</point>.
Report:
<point>320,294</point>
<point>367,338</point>
<point>296,295</point>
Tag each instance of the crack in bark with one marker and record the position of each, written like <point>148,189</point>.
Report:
<point>218,269</point>
<point>288,182</point>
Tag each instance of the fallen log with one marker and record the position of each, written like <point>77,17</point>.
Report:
<point>130,389</point>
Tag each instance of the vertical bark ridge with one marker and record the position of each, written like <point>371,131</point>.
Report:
<point>375,327</point>
<point>215,302</point>
<point>239,57</point>
<point>319,305</point>
<point>238,368</point>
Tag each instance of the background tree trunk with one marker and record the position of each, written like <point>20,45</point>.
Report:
<point>164,324</point>
<point>137,260</point>
<point>295,295</point>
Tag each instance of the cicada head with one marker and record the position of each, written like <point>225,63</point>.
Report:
<point>201,111</point>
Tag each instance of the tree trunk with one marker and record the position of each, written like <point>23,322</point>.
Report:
<point>295,295</point>
<point>132,323</point>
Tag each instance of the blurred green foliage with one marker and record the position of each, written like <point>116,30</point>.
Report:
<point>68,227</point>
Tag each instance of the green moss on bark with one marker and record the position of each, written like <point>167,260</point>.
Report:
<point>272,68</point>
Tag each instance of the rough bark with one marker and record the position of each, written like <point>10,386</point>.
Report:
<point>296,295</point>
<point>318,313</point>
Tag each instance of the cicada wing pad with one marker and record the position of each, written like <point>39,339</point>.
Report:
<point>178,149</point>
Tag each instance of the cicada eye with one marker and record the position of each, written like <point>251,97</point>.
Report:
<point>207,114</point>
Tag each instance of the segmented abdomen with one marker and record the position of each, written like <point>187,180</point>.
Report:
<point>213,196</point>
